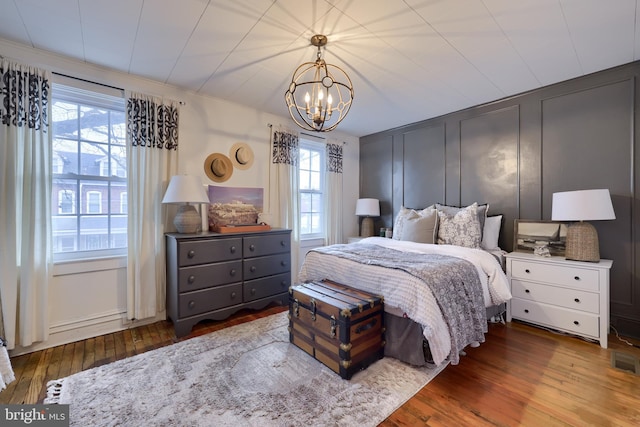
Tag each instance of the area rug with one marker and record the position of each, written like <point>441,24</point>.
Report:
<point>245,375</point>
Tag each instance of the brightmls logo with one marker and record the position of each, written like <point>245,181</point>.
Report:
<point>34,415</point>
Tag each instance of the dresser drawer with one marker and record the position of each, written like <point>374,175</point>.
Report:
<point>204,300</point>
<point>266,266</point>
<point>563,297</point>
<point>208,275</point>
<point>203,251</point>
<point>266,244</point>
<point>580,278</point>
<point>267,286</point>
<point>555,317</point>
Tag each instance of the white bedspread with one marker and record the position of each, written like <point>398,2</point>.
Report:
<point>406,292</point>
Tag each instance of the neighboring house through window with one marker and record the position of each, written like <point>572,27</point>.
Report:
<point>311,175</point>
<point>89,165</point>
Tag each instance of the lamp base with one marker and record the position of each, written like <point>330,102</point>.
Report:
<point>582,243</point>
<point>366,228</point>
<point>187,220</point>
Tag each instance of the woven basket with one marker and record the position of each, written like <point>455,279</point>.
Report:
<point>582,243</point>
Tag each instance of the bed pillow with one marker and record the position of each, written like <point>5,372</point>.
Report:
<point>420,228</point>
<point>452,210</point>
<point>403,215</point>
<point>491,232</point>
<point>461,228</point>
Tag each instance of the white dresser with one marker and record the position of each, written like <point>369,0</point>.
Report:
<point>570,296</point>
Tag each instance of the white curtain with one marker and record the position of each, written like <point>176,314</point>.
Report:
<point>333,193</point>
<point>152,142</point>
<point>25,201</point>
<point>283,192</point>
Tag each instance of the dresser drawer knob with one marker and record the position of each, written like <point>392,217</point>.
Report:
<point>252,248</point>
<point>526,310</point>
<point>575,322</point>
<point>283,263</point>
<point>253,291</point>
<point>191,253</point>
<point>576,277</point>
<point>192,304</point>
<point>233,295</point>
<point>527,291</point>
<point>253,269</point>
<point>577,300</point>
<point>283,283</point>
<point>283,243</point>
<point>232,249</point>
<point>232,272</point>
<point>527,271</point>
<point>191,279</point>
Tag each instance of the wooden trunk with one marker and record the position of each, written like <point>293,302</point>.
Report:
<point>339,326</point>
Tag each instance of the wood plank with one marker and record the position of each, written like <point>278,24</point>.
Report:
<point>520,376</point>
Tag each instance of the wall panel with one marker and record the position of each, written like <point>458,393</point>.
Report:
<point>514,153</point>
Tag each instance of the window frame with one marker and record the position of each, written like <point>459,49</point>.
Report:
<point>320,147</point>
<point>85,94</point>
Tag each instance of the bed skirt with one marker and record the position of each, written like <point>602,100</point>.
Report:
<point>405,341</point>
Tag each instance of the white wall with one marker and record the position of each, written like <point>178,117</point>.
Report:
<point>89,298</point>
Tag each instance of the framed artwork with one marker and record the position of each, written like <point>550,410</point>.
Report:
<point>234,205</point>
<point>529,235</point>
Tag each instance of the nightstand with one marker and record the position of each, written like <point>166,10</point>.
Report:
<point>569,296</point>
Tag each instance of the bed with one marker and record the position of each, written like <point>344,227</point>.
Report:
<point>436,294</point>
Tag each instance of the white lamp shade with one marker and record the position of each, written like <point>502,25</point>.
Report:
<point>185,189</point>
<point>582,205</point>
<point>368,207</point>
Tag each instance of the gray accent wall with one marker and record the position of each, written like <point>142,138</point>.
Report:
<point>514,154</point>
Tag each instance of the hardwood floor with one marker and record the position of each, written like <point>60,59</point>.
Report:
<point>521,375</point>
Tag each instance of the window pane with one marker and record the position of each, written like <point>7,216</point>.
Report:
<point>316,202</point>
<point>305,223</point>
<point>305,180</point>
<point>93,157</point>
<point>315,161</point>
<point>315,181</point>
<point>304,159</point>
<point>118,197</point>
<point>65,152</point>
<point>65,119</point>
<point>305,202</point>
<point>94,124</point>
<point>119,231</point>
<point>65,233</point>
<point>64,193</point>
<point>316,223</point>
<point>118,128</point>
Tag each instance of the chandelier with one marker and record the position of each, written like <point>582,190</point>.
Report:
<point>320,94</point>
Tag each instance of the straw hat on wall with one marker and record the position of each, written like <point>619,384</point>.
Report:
<point>218,167</point>
<point>241,155</point>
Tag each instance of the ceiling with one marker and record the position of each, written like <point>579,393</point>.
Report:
<point>409,60</point>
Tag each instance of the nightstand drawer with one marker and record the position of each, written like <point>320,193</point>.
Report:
<point>563,297</point>
<point>556,317</point>
<point>580,278</point>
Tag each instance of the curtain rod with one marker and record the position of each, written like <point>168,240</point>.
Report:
<point>88,81</point>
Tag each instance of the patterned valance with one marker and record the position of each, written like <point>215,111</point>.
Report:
<point>152,122</point>
<point>334,158</point>
<point>25,94</point>
<point>285,148</point>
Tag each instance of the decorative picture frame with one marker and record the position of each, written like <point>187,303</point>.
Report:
<point>529,235</point>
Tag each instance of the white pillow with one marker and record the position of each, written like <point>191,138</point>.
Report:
<point>420,228</point>
<point>403,215</point>
<point>491,232</point>
<point>461,228</point>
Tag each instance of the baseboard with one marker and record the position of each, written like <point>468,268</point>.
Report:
<point>82,329</point>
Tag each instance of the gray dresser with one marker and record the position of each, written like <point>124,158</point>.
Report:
<point>213,275</point>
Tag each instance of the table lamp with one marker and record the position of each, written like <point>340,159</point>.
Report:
<point>185,189</point>
<point>367,208</point>
<point>581,206</point>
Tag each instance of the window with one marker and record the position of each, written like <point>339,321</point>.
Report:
<point>89,172</point>
<point>311,170</point>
